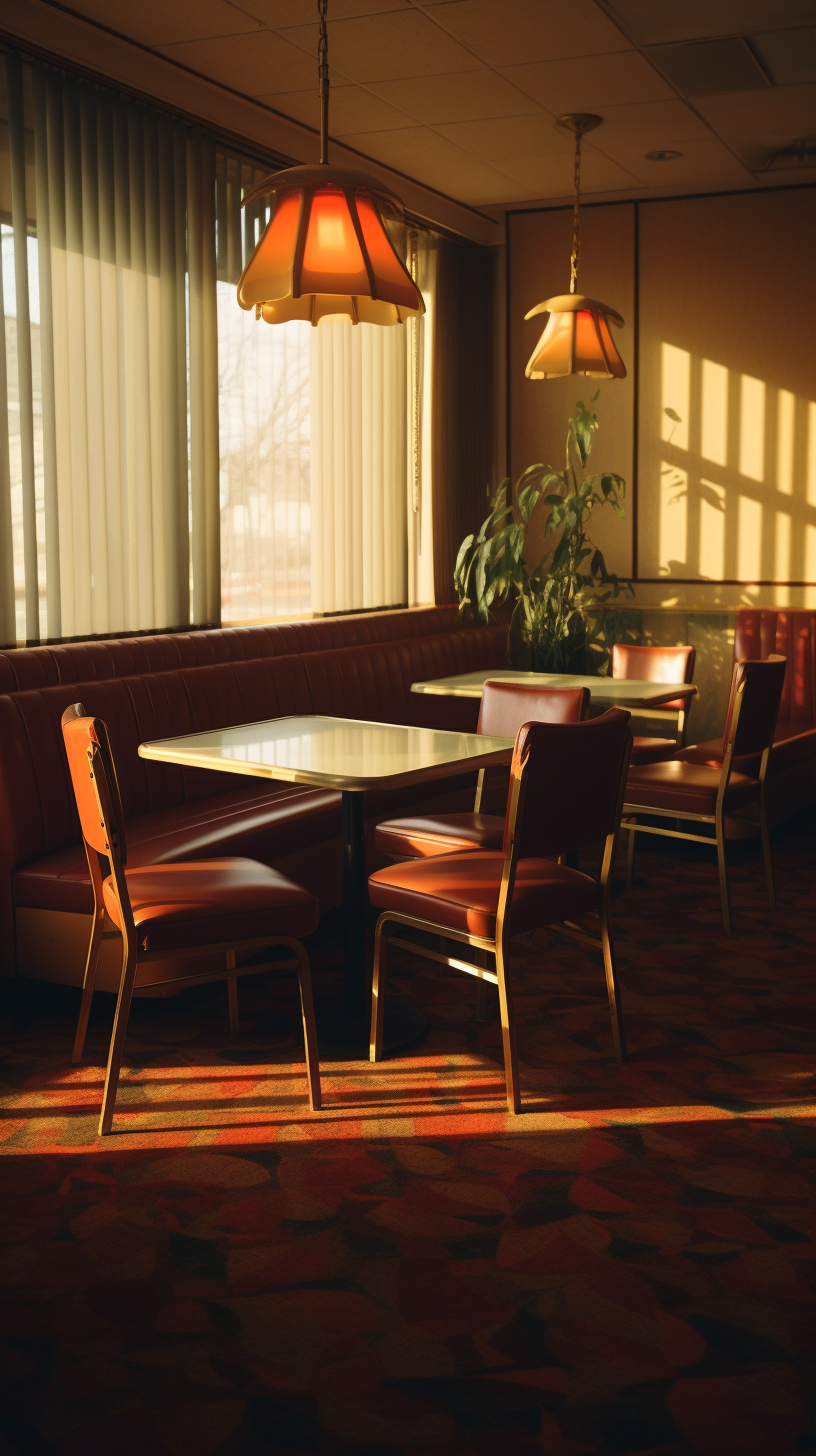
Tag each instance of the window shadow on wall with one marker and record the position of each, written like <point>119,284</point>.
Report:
<point>737,488</point>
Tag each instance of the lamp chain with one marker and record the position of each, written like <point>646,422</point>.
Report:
<point>576,195</point>
<point>323,84</point>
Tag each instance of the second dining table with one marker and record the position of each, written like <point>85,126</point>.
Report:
<point>604,692</point>
<point>353,756</point>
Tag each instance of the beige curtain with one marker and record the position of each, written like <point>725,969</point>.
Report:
<point>117,462</point>
<point>359,466</point>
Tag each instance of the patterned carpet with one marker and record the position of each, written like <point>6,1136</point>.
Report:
<point>628,1267</point>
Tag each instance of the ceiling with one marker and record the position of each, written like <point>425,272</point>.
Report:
<point>462,94</point>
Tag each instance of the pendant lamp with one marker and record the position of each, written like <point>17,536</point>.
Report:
<point>325,249</point>
<point>577,337</point>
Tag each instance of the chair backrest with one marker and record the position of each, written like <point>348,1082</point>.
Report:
<point>574,774</point>
<point>759,708</point>
<point>93,776</point>
<point>506,705</point>
<point>655,664</point>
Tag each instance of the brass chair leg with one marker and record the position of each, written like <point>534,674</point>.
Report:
<point>309,1028</point>
<point>117,1045</point>
<point>511,1072</point>
<point>725,893</point>
<point>630,855</point>
<point>766,852</point>
<point>88,981</point>
<point>378,994</point>
<point>482,990</point>
<point>232,992</point>
<point>612,988</point>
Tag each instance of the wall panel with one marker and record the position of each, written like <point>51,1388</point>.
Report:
<point>727,450</point>
<point>539,248</point>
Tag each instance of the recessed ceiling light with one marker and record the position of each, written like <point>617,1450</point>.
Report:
<point>663,156</point>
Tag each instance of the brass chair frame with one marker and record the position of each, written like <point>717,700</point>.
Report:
<point>499,946</point>
<point>133,957</point>
<point>717,819</point>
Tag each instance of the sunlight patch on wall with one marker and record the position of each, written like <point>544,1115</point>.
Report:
<point>782,546</point>
<point>676,395</point>
<point>714,430</point>
<point>784,441</point>
<point>752,428</point>
<point>749,539</point>
<point>712,529</point>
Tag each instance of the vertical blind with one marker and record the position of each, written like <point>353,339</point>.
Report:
<point>164,458</point>
<point>111,508</point>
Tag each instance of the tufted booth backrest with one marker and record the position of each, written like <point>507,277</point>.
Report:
<point>157,687</point>
<point>790,634</point>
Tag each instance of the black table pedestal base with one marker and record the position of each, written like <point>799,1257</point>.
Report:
<point>342,1038</point>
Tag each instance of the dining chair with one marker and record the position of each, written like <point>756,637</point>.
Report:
<point>566,792</point>
<point>704,793</point>
<point>660,665</point>
<point>229,905</point>
<point>504,707</point>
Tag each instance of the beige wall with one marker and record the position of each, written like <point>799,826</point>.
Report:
<point>724,464</point>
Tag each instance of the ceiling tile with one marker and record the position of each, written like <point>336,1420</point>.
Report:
<point>705,162</point>
<point>432,159</point>
<point>513,136</point>
<point>386,47</point>
<point>707,67</point>
<point>155,23</point>
<point>255,64</point>
<point>463,96</point>
<point>351,108</point>
<point>590,83</point>
<point>789,56</point>
<point>790,110</point>
<point>653,24</point>
<point>649,124</point>
<point>530,30</point>
<point>757,152</point>
<point>552,176</point>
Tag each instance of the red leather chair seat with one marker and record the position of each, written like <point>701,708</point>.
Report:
<point>653,750</point>
<point>689,787</point>
<point>409,838</point>
<point>263,820</point>
<point>791,746</point>
<point>461,891</point>
<point>217,900</point>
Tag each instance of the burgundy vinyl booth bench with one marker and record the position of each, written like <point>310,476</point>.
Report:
<point>156,687</point>
<point>791,779</point>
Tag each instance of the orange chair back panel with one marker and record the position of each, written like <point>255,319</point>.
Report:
<point>760,704</point>
<point>505,706</point>
<point>655,664</point>
<point>88,752</point>
<point>572,783</point>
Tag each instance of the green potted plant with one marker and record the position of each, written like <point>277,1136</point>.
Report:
<point>551,597</point>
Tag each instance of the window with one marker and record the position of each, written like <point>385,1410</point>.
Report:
<point>164,458</point>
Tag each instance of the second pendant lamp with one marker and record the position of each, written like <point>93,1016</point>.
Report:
<point>326,249</point>
<point>577,337</point>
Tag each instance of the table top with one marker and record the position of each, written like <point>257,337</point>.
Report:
<point>337,753</point>
<point>612,691</point>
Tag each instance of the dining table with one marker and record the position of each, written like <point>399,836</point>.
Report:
<point>604,692</point>
<point>354,757</point>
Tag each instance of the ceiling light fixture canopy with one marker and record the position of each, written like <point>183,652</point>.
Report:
<point>576,338</point>
<point>326,248</point>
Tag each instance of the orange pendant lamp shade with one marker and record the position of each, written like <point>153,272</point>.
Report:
<point>325,250</point>
<point>576,339</point>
